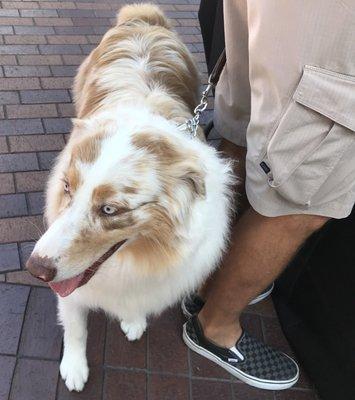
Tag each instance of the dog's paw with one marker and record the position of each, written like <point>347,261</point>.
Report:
<point>75,372</point>
<point>134,330</point>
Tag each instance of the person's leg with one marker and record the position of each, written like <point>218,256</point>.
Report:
<point>260,249</point>
<point>237,154</point>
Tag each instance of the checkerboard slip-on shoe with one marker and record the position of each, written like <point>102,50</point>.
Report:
<point>193,304</point>
<point>251,361</point>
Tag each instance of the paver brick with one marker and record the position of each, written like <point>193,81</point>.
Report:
<point>92,389</point>
<point>9,98</point>
<point>12,205</point>
<point>6,30</point>
<point>31,111</point>
<point>25,251</point>
<point>22,71</point>
<point>18,162</point>
<point>16,49</point>
<point>41,335</point>
<point>64,70</point>
<point>35,203</point>
<point>57,125</point>
<point>66,110</point>
<point>120,352</point>
<point>3,145</point>
<point>7,366</point>
<point>44,96</point>
<point>53,21</point>
<point>67,39</point>
<point>74,30</point>
<point>6,183</point>
<point>38,13</point>
<point>24,39</point>
<point>105,13</point>
<point>15,21</point>
<point>13,301</point>
<point>30,181</point>
<point>19,83</point>
<point>19,4</point>
<point>57,5</point>
<point>124,385</point>
<point>168,388</point>
<point>96,338</point>
<point>46,159</point>
<point>73,59</point>
<point>9,260</point>
<point>36,143</point>
<point>60,49</point>
<point>76,13</point>
<point>40,60</point>
<point>21,228</point>
<point>21,126</point>
<point>87,48</point>
<point>211,390</point>
<point>34,30</point>
<point>28,383</point>
<point>244,392</point>
<point>295,395</point>
<point>57,83</point>
<point>9,13</point>
<point>91,22</point>
<point>164,357</point>
<point>95,6</point>
<point>94,39</point>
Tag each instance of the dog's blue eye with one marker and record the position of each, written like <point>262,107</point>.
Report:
<point>108,210</point>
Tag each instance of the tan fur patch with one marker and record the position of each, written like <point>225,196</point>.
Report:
<point>102,193</point>
<point>161,147</point>
<point>129,190</point>
<point>87,150</point>
<point>73,176</point>
<point>157,246</point>
<point>118,222</point>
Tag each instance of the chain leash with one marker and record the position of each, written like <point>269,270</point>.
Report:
<point>191,125</point>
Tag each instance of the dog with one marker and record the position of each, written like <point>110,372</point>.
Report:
<point>137,210</point>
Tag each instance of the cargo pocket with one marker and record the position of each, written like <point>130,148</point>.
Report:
<point>317,128</point>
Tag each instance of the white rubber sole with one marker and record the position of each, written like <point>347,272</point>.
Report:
<point>252,381</point>
<point>254,301</point>
<point>262,296</point>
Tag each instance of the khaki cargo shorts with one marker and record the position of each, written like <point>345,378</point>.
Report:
<point>287,92</point>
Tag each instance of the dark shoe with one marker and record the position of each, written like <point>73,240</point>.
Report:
<point>193,304</point>
<point>251,361</point>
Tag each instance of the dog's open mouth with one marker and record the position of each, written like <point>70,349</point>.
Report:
<point>66,287</point>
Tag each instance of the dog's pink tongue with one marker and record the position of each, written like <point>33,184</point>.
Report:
<point>65,288</point>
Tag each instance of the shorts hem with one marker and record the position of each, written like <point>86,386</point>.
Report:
<point>267,207</point>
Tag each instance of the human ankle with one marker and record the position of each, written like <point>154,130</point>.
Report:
<point>223,334</point>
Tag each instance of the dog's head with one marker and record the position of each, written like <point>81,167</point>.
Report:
<point>124,188</point>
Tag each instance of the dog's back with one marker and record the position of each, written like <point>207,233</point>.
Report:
<point>140,59</point>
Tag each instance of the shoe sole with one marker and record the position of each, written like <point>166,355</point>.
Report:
<point>255,382</point>
<point>257,299</point>
<point>262,296</point>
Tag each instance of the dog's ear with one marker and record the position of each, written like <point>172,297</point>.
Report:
<point>196,181</point>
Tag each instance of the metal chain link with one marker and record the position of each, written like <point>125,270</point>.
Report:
<point>191,125</point>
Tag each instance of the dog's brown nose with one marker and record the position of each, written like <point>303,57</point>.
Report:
<point>42,268</point>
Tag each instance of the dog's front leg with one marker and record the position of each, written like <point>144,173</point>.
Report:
<point>74,367</point>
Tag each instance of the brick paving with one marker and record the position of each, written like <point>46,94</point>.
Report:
<point>41,45</point>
